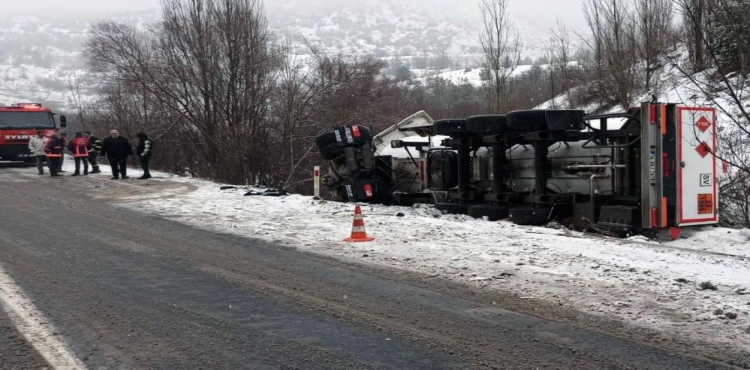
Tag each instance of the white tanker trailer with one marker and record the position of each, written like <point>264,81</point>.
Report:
<point>650,170</point>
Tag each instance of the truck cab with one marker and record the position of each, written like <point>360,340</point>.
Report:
<point>19,122</point>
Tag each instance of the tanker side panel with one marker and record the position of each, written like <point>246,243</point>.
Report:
<point>561,156</point>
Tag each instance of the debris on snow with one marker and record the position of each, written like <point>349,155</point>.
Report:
<point>707,285</point>
<point>621,304</point>
<point>267,193</point>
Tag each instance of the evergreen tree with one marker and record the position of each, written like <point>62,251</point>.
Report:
<point>730,33</point>
<point>403,73</point>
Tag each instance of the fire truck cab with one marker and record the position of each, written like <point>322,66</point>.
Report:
<point>19,122</point>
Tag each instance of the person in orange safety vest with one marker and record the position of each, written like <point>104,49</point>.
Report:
<point>80,147</point>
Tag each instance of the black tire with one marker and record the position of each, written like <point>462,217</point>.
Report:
<point>545,120</point>
<point>452,208</point>
<point>529,216</point>
<point>527,120</point>
<point>331,151</point>
<point>449,127</point>
<point>442,170</point>
<point>564,120</point>
<point>488,124</point>
<point>492,212</point>
<point>325,140</point>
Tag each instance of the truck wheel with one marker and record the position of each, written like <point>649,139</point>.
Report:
<point>527,120</point>
<point>492,212</point>
<point>489,124</point>
<point>442,170</point>
<point>529,216</point>
<point>325,139</point>
<point>546,120</point>
<point>331,151</point>
<point>452,208</point>
<point>449,127</point>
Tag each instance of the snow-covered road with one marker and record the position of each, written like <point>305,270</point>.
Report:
<point>643,283</point>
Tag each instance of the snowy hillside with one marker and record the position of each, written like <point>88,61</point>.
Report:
<point>671,86</point>
<point>40,56</point>
<point>472,76</point>
<point>400,28</point>
<point>37,57</point>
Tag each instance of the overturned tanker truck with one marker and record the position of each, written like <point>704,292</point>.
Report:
<point>650,170</point>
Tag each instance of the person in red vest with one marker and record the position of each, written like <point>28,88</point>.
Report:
<point>80,147</point>
<point>54,150</point>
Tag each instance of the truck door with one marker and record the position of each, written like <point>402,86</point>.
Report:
<point>697,176</point>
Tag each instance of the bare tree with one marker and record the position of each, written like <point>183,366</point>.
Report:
<point>561,58</point>
<point>502,51</point>
<point>696,27</point>
<point>615,57</point>
<point>212,63</point>
<point>653,31</point>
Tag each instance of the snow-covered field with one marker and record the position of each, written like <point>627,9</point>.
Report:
<point>639,282</point>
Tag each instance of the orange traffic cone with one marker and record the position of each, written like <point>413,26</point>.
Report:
<point>358,228</point>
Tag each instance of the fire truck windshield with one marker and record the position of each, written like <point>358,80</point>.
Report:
<point>26,120</point>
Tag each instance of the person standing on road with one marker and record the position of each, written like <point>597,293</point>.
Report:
<point>144,150</point>
<point>54,150</point>
<point>64,138</point>
<point>36,147</point>
<point>117,149</point>
<point>96,147</point>
<point>80,147</point>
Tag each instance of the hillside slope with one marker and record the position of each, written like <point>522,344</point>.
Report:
<point>39,57</point>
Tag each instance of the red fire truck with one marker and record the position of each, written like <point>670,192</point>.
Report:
<point>19,122</point>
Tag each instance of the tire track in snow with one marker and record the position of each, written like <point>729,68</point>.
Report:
<point>32,324</point>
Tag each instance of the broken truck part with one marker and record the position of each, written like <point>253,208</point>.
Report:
<point>650,170</point>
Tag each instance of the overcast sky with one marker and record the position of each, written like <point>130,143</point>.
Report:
<point>567,10</point>
<point>74,7</point>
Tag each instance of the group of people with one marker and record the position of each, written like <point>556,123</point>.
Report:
<point>85,149</point>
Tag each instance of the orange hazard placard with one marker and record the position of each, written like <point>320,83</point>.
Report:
<point>705,204</point>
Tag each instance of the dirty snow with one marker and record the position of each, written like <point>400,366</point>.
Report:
<point>638,281</point>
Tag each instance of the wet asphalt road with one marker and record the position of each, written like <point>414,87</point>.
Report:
<point>131,291</point>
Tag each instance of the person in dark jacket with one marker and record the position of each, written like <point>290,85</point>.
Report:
<point>96,147</point>
<point>54,150</point>
<point>117,149</point>
<point>144,150</point>
<point>64,137</point>
<point>80,147</point>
